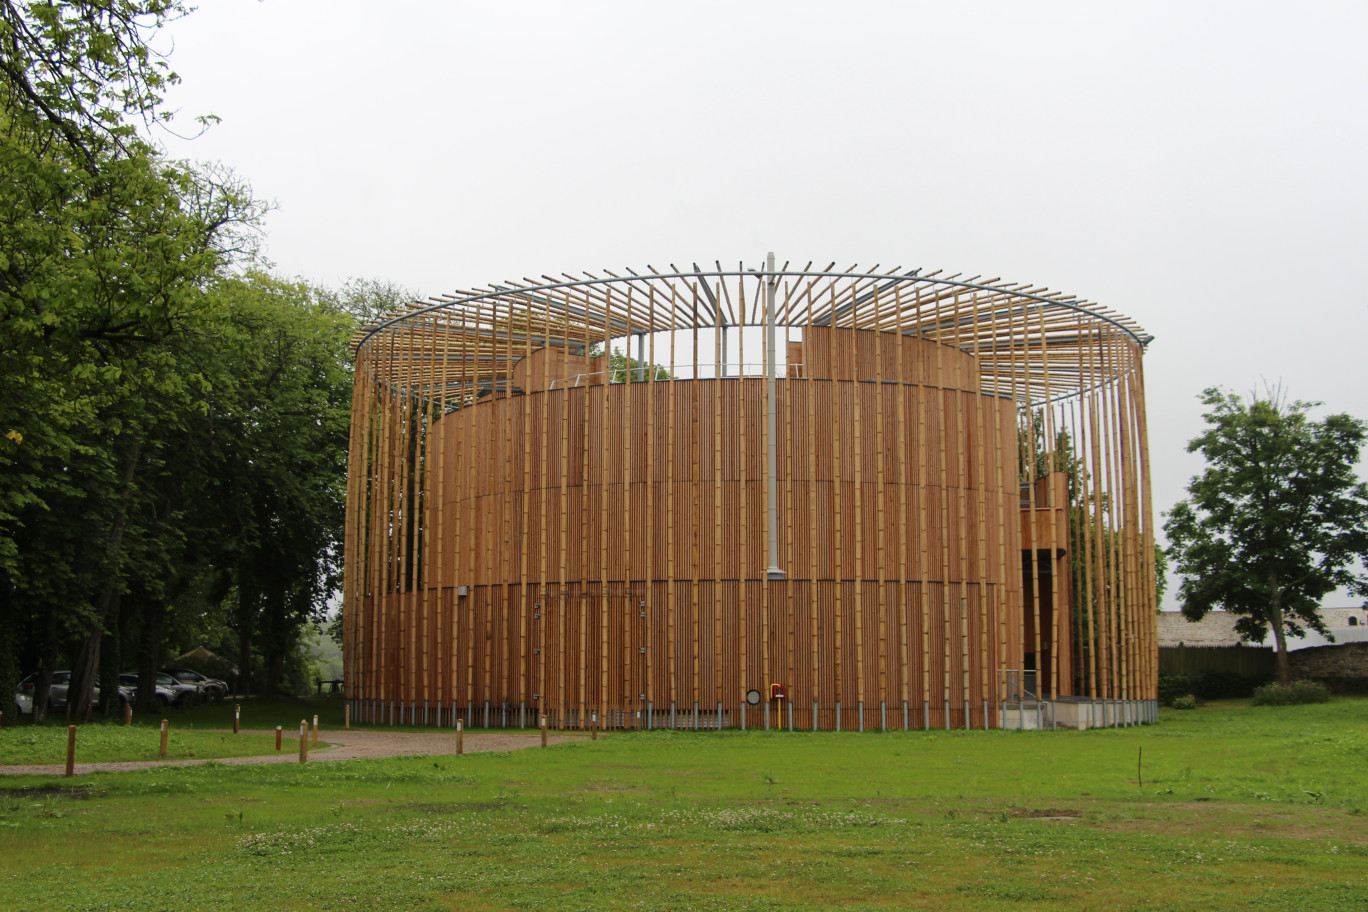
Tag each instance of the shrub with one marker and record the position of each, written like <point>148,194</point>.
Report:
<point>1226,685</point>
<point>1186,701</point>
<point>1296,692</point>
<point>1340,685</point>
<point>1173,686</point>
<point>1208,685</point>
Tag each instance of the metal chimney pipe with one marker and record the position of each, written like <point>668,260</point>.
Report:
<point>771,422</point>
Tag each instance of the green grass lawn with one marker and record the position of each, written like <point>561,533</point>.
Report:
<point>105,742</point>
<point>202,731</point>
<point>1237,808</point>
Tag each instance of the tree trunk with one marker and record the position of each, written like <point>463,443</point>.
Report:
<point>41,689</point>
<point>9,644</point>
<point>154,618</point>
<point>245,661</point>
<point>273,638</point>
<point>84,670</point>
<point>110,662</point>
<point>275,672</point>
<point>81,691</point>
<point>1275,617</point>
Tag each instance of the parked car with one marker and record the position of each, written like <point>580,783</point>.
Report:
<point>165,695</point>
<point>57,692</point>
<point>185,694</point>
<point>211,690</point>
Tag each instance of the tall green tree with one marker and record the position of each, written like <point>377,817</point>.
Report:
<point>105,251</point>
<point>171,429</point>
<point>1276,521</point>
<point>279,482</point>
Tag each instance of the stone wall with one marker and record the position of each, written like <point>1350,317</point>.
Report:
<point>1347,660</point>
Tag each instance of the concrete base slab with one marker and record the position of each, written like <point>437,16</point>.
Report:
<point>1077,714</point>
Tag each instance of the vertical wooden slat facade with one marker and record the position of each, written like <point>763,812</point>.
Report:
<point>535,527</point>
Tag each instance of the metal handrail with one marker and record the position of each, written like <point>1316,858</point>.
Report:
<point>748,370</point>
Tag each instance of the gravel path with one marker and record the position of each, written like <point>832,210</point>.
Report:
<point>342,745</point>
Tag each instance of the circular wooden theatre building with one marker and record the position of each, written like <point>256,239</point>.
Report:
<point>773,496</point>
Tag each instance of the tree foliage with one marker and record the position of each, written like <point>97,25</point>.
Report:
<point>85,69</point>
<point>1276,521</point>
<point>280,460</point>
<point>371,300</point>
<point>171,429</point>
<point>625,369</point>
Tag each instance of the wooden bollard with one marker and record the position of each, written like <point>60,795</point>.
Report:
<point>543,730</point>
<point>71,751</point>
<point>278,734</point>
<point>460,739</point>
<point>128,714</point>
<point>315,732</point>
<point>593,726</point>
<point>346,717</point>
<point>237,715</point>
<point>164,726</point>
<point>303,741</point>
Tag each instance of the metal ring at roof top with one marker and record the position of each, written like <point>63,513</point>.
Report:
<point>891,280</point>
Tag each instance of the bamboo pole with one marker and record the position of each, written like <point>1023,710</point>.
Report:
<point>978,484</point>
<point>944,413</point>
<point>747,568</point>
<point>1051,543</point>
<point>478,539</point>
<point>695,445</point>
<point>671,592</point>
<point>880,520</point>
<point>600,699</point>
<point>446,681</point>
<point>900,456</point>
<point>563,604</point>
<point>789,642</point>
<point>1148,556</point>
<point>718,489</point>
<point>810,386</point>
<point>526,595</point>
<point>859,574</point>
<point>629,603</point>
<point>924,392</point>
<point>838,485</point>
<point>649,481</point>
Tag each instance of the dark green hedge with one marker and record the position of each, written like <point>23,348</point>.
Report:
<point>1208,685</point>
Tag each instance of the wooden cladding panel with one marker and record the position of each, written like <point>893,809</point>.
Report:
<point>847,354</point>
<point>710,499</point>
<point>495,459</point>
<point>562,619</point>
<point>743,548</point>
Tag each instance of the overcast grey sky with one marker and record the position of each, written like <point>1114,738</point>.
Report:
<point>1197,166</point>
